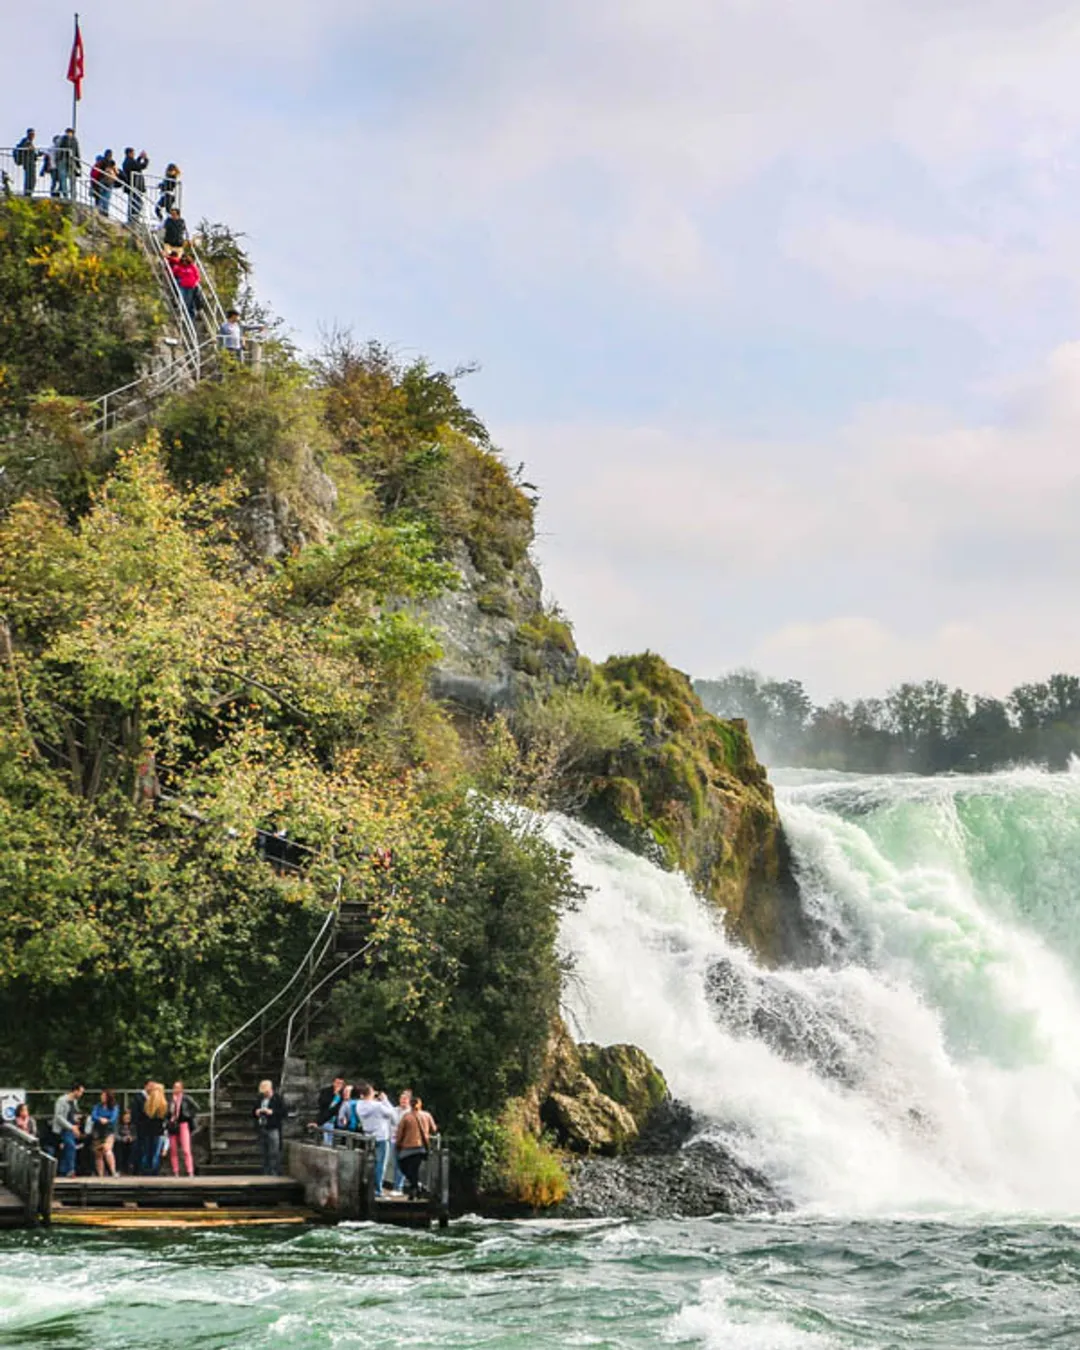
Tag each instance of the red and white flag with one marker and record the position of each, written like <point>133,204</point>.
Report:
<point>77,64</point>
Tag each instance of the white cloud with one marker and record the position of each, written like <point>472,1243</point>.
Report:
<point>960,542</point>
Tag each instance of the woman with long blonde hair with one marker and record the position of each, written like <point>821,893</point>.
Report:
<point>155,1109</point>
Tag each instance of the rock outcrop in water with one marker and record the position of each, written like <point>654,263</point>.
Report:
<point>639,1153</point>
<point>693,795</point>
<point>669,1174</point>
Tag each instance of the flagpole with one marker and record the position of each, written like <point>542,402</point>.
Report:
<point>75,91</point>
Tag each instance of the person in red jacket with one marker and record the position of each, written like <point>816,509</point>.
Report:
<point>185,270</point>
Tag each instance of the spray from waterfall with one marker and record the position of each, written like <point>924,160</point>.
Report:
<point>935,1063</point>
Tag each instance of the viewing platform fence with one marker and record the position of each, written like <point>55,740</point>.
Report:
<point>29,1173</point>
<point>194,352</point>
<point>118,205</point>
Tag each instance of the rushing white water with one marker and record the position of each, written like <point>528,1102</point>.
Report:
<point>933,1063</point>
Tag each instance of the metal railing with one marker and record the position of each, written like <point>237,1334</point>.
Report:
<point>127,207</point>
<point>29,1172</point>
<point>42,1100</point>
<point>116,202</point>
<point>434,1177</point>
<point>304,1007</point>
<point>270,1016</point>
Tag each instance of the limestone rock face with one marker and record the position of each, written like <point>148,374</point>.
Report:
<point>274,524</point>
<point>496,643</point>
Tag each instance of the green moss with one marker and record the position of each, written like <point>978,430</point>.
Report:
<point>495,600</point>
<point>694,787</point>
<point>547,628</point>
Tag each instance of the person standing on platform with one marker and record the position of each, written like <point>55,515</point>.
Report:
<point>168,191</point>
<point>103,1123</point>
<point>26,156</point>
<point>412,1139</point>
<point>181,1123</point>
<point>67,162</point>
<point>66,1129</point>
<point>404,1105</point>
<point>270,1112</point>
<point>133,175</point>
<point>155,1111</point>
<point>231,335</point>
<point>330,1099</point>
<point>378,1120</point>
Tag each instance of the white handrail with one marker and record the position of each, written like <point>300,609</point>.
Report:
<point>124,206</point>
<point>307,963</point>
<point>305,1002</point>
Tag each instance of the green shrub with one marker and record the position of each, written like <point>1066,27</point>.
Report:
<point>79,306</point>
<point>425,454</point>
<point>492,975</point>
<point>503,1158</point>
<point>259,429</point>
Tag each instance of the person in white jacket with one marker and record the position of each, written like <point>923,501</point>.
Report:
<point>377,1118</point>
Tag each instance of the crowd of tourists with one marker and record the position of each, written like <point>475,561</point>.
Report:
<point>110,1141</point>
<point>61,163</point>
<point>402,1134</point>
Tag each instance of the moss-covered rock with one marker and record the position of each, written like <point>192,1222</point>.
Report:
<point>595,1099</point>
<point>587,1121</point>
<point>627,1075</point>
<point>693,793</point>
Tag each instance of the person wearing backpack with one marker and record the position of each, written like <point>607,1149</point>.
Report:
<point>26,156</point>
<point>67,162</point>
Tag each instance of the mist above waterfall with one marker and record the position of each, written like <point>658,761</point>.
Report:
<point>934,1063</point>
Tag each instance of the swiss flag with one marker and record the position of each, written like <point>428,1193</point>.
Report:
<point>77,64</point>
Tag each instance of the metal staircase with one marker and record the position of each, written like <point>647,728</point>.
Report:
<point>273,1042</point>
<point>191,352</point>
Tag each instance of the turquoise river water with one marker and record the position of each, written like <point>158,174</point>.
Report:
<point>764,1285</point>
<point>912,1087</point>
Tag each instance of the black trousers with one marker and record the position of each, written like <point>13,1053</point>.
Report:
<point>410,1167</point>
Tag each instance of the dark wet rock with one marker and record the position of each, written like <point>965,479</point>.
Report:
<point>701,1179</point>
<point>668,1126</point>
<point>765,1006</point>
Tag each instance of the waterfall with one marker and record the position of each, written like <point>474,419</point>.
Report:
<point>934,1063</point>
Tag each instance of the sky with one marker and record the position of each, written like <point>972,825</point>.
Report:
<point>778,301</point>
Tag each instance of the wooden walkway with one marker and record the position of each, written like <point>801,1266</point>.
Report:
<point>208,1201</point>
<point>188,1193</point>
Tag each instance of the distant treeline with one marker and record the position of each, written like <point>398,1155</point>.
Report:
<point>915,728</point>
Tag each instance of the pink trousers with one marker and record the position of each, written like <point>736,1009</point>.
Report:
<point>181,1142</point>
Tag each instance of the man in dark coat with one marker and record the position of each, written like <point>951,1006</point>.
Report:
<point>133,176</point>
<point>175,229</point>
<point>330,1098</point>
<point>67,162</point>
<point>26,156</point>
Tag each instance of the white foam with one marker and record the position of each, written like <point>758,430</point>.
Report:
<point>962,1027</point>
